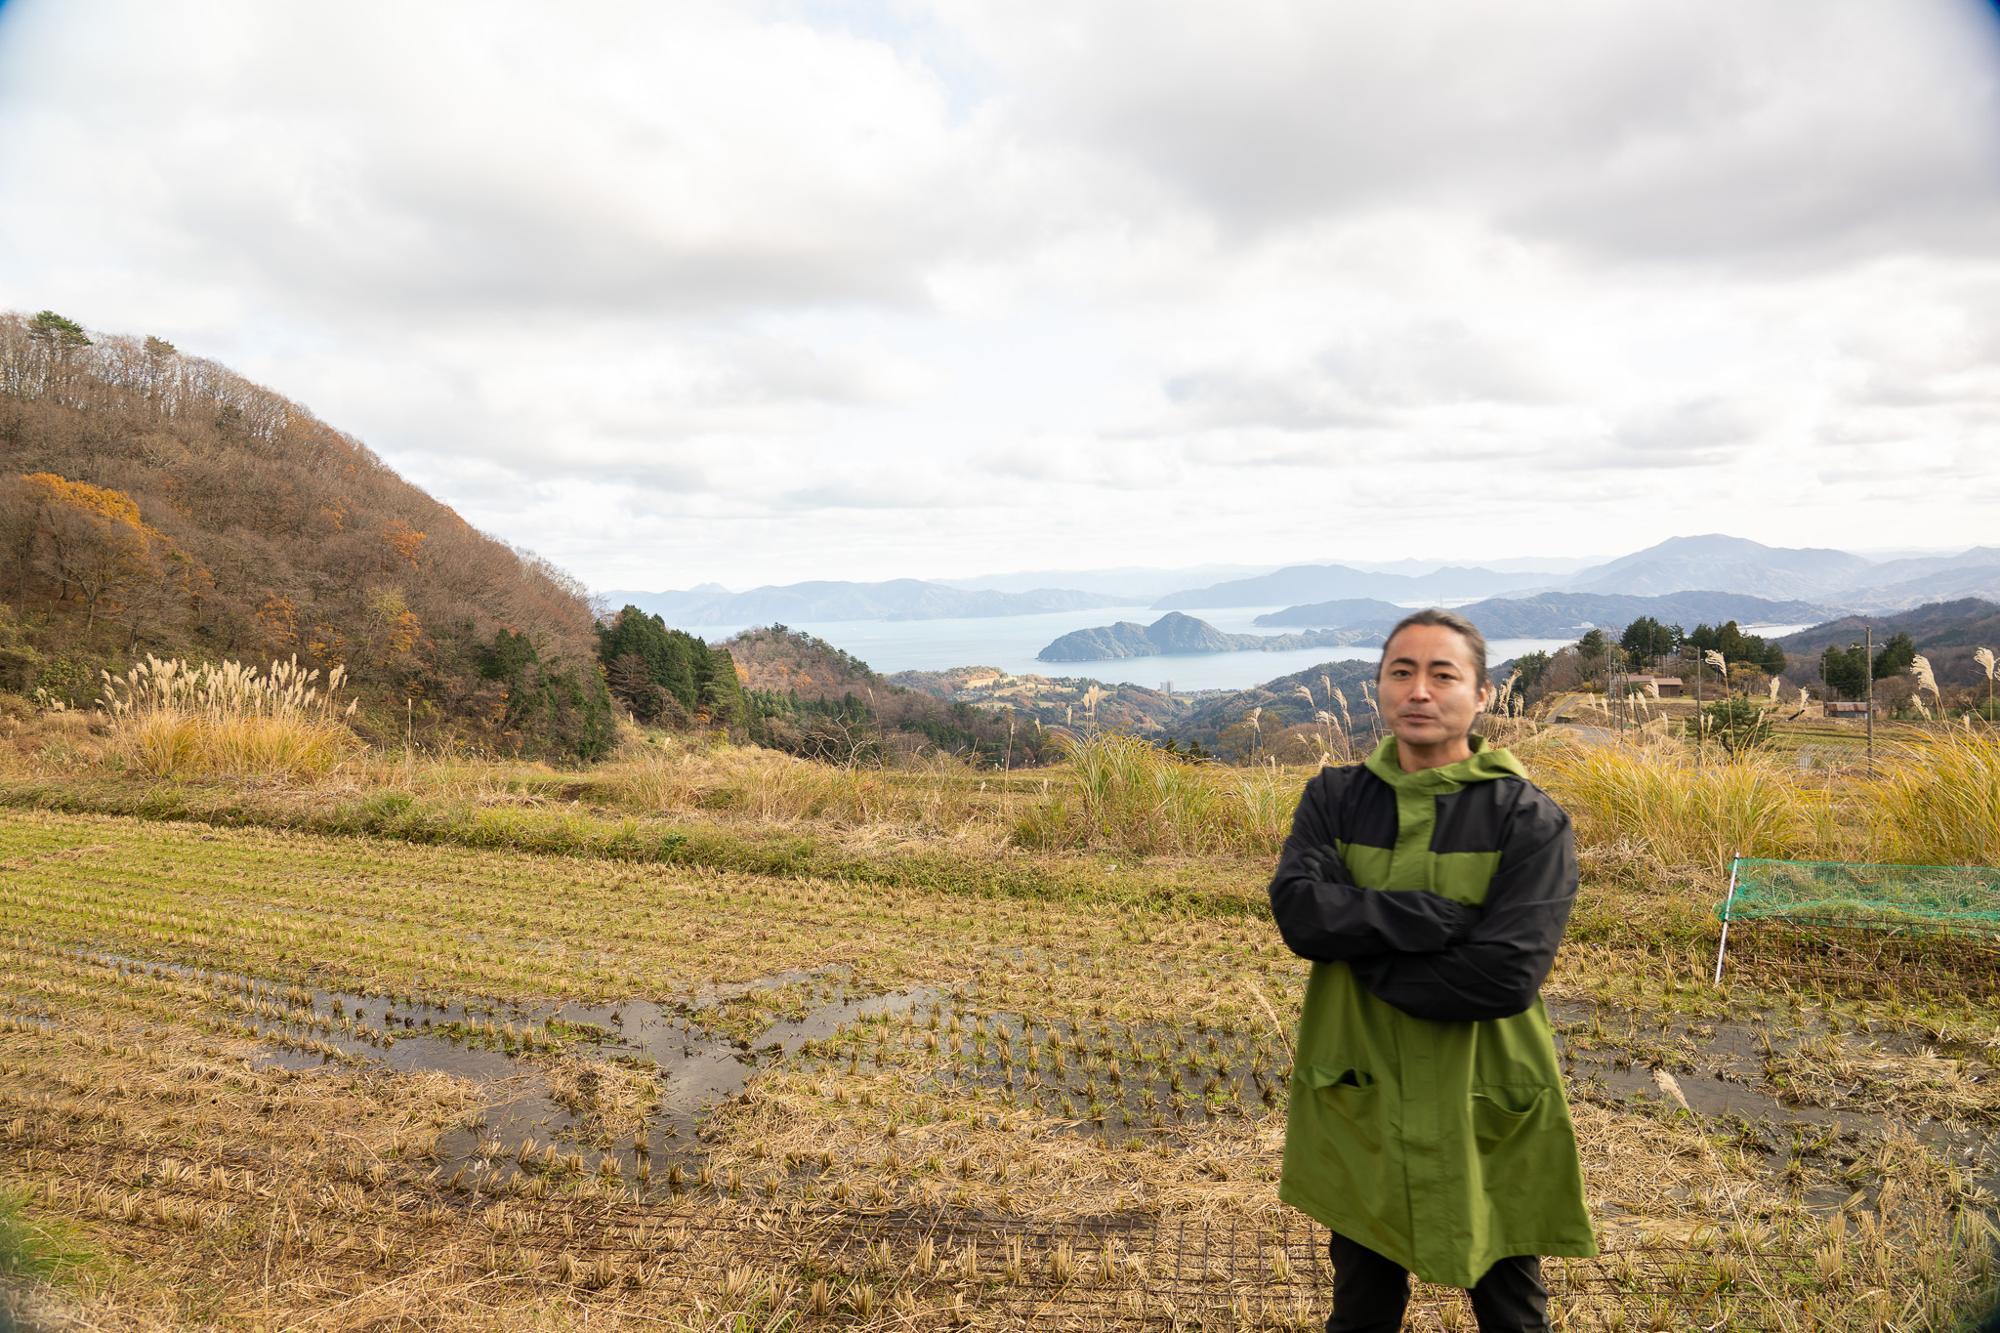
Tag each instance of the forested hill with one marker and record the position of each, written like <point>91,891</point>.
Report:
<point>152,502</point>
<point>1948,633</point>
<point>802,694</point>
<point>1175,633</point>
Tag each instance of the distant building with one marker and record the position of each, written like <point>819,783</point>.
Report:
<point>1653,687</point>
<point>1846,708</point>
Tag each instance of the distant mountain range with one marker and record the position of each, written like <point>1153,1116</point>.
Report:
<point>1175,634</point>
<point>897,599</point>
<point>1828,577</point>
<point>1337,614</point>
<point>1361,620</point>
<point>1317,583</point>
<point>1731,563</point>
<point>1970,622</point>
<point>1948,632</point>
<point>1133,586</point>
<point>1975,573</point>
<point>1565,614</point>
<point>1713,564</point>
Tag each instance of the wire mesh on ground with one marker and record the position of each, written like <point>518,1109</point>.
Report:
<point>1133,1270</point>
<point>1860,896</point>
<point>1890,907</point>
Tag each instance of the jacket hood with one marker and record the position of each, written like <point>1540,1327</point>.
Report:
<point>1485,763</point>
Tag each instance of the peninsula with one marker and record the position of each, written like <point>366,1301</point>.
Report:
<point>1175,634</point>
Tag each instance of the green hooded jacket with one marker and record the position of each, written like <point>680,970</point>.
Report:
<point>1427,1118</point>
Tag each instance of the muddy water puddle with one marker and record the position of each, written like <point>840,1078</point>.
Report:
<point>538,1068</point>
<point>622,1089</point>
<point>1724,1069</point>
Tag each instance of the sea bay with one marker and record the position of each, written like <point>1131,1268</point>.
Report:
<point>1011,642</point>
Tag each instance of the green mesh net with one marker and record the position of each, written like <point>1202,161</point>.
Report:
<point>1839,893</point>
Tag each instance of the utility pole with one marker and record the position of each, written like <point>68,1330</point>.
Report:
<point>1868,658</point>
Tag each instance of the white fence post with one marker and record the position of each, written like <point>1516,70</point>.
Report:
<point>1723,947</point>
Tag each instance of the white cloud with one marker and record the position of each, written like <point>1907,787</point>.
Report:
<point>1706,127</point>
<point>505,161</point>
<point>759,292</point>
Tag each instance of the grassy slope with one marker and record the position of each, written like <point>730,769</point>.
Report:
<point>306,1194</point>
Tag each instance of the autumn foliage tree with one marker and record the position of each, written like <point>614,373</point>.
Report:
<point>73,545</point>
<point>153,501</point>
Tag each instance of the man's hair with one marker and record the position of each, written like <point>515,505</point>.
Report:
<point>1475,642</point>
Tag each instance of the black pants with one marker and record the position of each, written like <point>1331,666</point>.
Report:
<point>1369,1293</point>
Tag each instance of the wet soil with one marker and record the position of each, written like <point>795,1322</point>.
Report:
<point>1108,1080</point>
<point>521,1124</point>
<point>1095,1078</point>
<point>1724,1069</point>
<point>1168,1078</point>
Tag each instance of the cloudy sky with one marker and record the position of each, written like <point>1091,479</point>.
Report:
<point>758,292</point>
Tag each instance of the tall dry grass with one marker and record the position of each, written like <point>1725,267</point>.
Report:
<point>1651,816</point>
<point>1656,800</point>
<point>174,719</point>
<point>1937,801</point>
<point>939,795</point>
<point>1126,794</point>
<point>1647,808</point>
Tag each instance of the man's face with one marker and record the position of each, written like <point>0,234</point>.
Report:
<point>1429,692</point>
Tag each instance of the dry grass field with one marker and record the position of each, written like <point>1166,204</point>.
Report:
<point>710,1038</point>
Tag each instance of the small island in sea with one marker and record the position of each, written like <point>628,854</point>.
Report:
<point>1175,634</point>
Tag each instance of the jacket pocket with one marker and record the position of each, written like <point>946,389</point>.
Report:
<point>1525,1162</point>
<point>1347,1104</point>
<point>1503,1112</point>
<point>1318,1076</point>
<point>1340,1157</point>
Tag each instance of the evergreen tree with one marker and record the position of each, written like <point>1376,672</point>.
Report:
<point>53,329</point>
<point>1736,646</point>
<point>1646,638</point>
<point>721,690</point>
<point>548,705</point>
<point>1845,670</point>
<point>1528,669</point>
<point>1896,657</point>
<point>1736,723</point>
<point>640,654</point>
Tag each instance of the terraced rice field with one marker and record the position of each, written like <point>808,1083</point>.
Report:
<point>267,1079</point>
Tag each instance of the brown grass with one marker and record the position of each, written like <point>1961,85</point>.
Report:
<point>1938,801</point>
<point>171,719</point>
<point>219,1191</point>
<point>225,1193</point>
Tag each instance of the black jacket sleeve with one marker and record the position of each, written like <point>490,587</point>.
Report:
<point>1323,916</point>
<point>1496,970</point>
